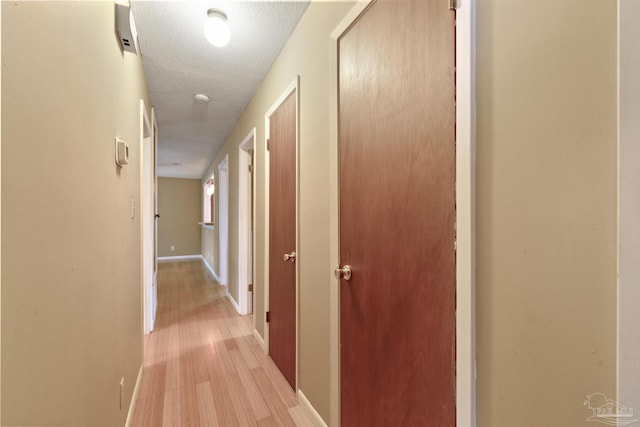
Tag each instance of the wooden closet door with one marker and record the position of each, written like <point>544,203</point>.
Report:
<point>397,215</point>
<point>282,238</point>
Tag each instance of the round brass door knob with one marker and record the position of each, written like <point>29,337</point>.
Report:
<point>343,273</point>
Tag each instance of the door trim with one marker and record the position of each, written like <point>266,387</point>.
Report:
<point>628,200</point>
<point>244,218</point>
<point>223,221</point>
<point>294,85</point>
<point>146,216</point>
<point>465,214</point>
<point>154,208</point>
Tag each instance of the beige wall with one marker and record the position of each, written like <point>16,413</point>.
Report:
<point>180,209</point>
<point>305,54</point>
<point>71,271</point>
<point>546,209</point>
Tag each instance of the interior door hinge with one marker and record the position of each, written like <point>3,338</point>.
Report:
<point>452,5</point>
<point>268,141</point>
<point>268,316</point>
<point>250,288</point>
<point>250,168</point>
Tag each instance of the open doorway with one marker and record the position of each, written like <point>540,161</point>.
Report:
<point>245,224</point>
<point>148,222</point>
<point>223,219</point>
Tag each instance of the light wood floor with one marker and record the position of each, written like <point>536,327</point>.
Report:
<point>202,365</point>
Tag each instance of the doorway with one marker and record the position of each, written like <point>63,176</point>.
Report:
<point>148,215</point>
<point>223,219</point>
<point>465,13</point>
<point>281,131</point>
<point>245,223</point>
<point>397,232</point>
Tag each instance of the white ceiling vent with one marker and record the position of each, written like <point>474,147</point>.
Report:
<point>126,28</point>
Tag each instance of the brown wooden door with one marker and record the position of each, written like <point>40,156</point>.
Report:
<point>282,238</point>
<point>397,215</point>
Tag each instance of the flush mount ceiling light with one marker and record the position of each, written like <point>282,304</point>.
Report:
<point>216,29</point>
<point>201,97</point>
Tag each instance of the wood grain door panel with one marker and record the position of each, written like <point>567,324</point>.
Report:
<point>282,238</point>
<point>397,215</point>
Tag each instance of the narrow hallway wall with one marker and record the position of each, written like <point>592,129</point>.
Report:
<point>71,270</point>
<point>546,209</point>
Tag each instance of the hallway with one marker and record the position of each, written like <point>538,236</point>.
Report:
<point>202,366</point>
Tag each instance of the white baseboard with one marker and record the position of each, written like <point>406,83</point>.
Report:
<point>213,273</point>
<point>260,340</point>
<point>215,276</point>
<point>178,258</point>
<point>134,399</point>
<point>316,419</point>
<point>233,302</point>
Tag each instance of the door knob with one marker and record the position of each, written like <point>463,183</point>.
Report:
<point>343,273</point>
<point>290,257</point>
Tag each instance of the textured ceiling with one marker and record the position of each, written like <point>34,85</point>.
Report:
<point>179,62</point>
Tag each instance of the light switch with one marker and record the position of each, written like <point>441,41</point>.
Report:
<point>122,152</point>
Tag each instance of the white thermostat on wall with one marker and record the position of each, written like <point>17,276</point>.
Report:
<point>122,152</point>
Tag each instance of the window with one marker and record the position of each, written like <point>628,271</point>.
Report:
<point>209,201</point>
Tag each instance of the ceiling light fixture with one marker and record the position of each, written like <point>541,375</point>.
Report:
<point>201,97</point>
<point>216,29</point>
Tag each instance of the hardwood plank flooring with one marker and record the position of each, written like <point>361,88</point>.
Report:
<point>202,365</point>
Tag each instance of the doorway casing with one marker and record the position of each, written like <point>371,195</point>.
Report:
<point>293,86</point>
<point>246,203</point>
<point>465,214</point>
<point>628,203</point>
<point>147,215</point>
<point>223,220</point>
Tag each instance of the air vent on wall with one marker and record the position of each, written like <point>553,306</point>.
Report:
<point>126,28</point>
<point>172,164</point>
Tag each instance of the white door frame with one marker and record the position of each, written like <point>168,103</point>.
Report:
<point>223,220</point>
<point>1,212</point>
<point>465,214</point>
<point>293,86</point>
<point>147,220</point>
<point>154,207</point>
<point>629,203</point>
<point>245,205</point>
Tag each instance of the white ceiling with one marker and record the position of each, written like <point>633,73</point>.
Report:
<point>179,62</point>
